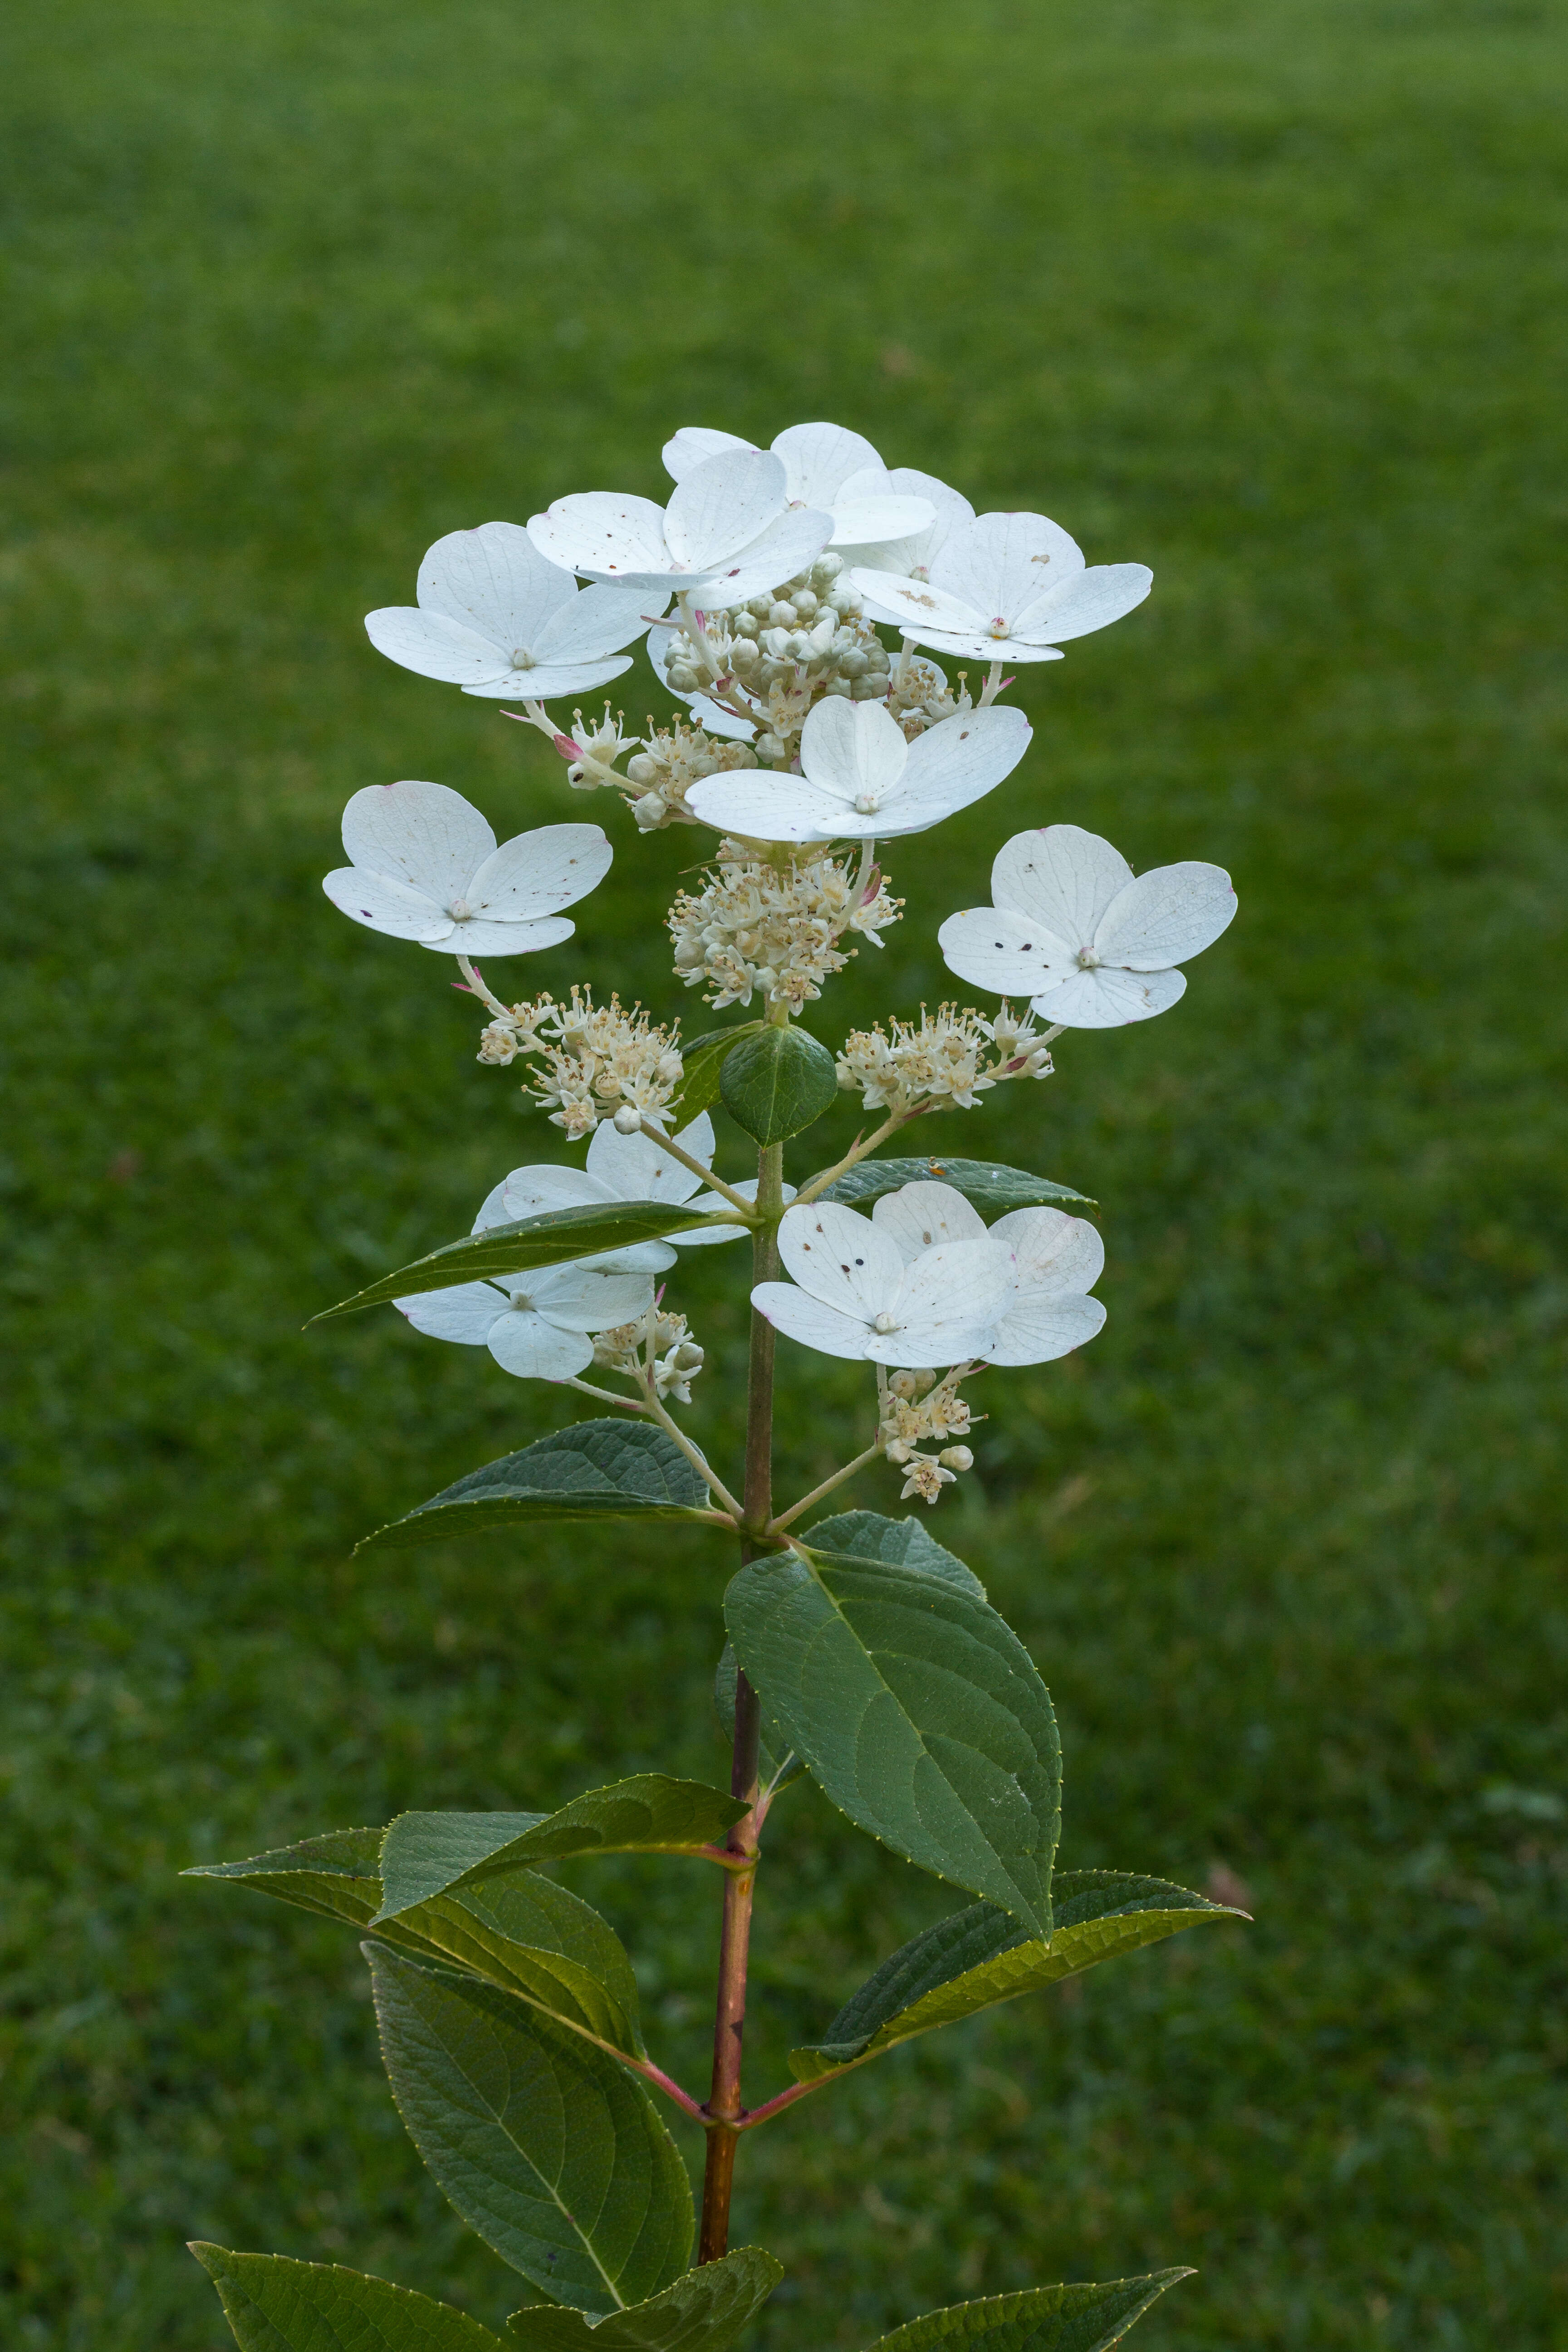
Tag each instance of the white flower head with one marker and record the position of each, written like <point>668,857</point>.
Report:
<point>1009,587</point>
<point>825,466</point>
<point>728,533</point>
<point>1072,929</point>
<point>425,866</point>
<point>856,1293</point>
<point>623,1167</point>
<point>534,1324</point>
<point>1055,1262</point>
<point>495,619</point>
<point>861,778</point>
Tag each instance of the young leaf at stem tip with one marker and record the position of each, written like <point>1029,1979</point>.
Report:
<point>701,1062</point>
<point>778,1083</point>
<point>591,1470</point>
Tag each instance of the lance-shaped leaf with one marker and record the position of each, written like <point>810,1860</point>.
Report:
<point>701,1062</point>
<point>530,1242</point>
<point>337,1874</point>
<point>917,1710</point>
<point>276,2305</point>
<point>903,1543</point>
<point>592,1470</point>
<point>425,1854</point>
<point>988,1186</point>
<point>1086,2318</point>
<point>982,1956</point>
<point>547,2148</point>
<point>528,1937</point>
<point>703,2312</point>
<point>777,1083</point>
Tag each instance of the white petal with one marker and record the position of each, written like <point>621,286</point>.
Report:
<point>1005,562</point>
<point>819,458</point>
<point>1096,598</point>
<point>534,1349</point>
<point>464,1313</point>
<point>634,1168</point>
<point>852,750</point>
<point>420,833</point>
<point>962,759</point>
<point>537,1191</point>
<point>548,681</point>
<point>585,1297</point>
<point>1011,954</point>
<point>478,937</point>
<point>800,1317</point>
<point>977,646</point>
<point>699,1239</point>
<point>863,522</point>
<point>921,1216</point>
<point>495,581</point>
<point>694,445</point>
<point>1043,1324</point>
<point>914,605</point>
<point>601,531</point>
<point>764,806</point>
<point>1110,999</point>
<point>1167,915</point>
<point>787,546</point>
<point>722,506</point>
<point>434,646</point>
<point>1061,876</point>
<point>951,511</point>
<point>949,1305</point>
<point>1051,1250</point>
<point>383,905</point>
<point>840,1258</point>
<point>596,622</point>
<point>537,873</point>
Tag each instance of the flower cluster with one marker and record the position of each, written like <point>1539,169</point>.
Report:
<point>600,1061</point>
<point>673,759</point>
<point>620,1349</point>
<point>951,1056</point>
<point>916,1406</point>
<point>774,928</point>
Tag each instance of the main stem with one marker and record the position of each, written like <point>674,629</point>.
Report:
<point>724,2108</point>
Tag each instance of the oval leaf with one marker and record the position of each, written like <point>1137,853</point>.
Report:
<point>528,1937</point>
<point>701,1062</point>
<point>778,1083</point>
<point>547,2148</point>
<point>530,1242</point>
<point>982,1956</point>
<point>276,2305</point>
<point>592,1470</point>
<point>905,1543</point>
<point>988,1186</point>
<point>1084,2318</point>
<point>337,1874</point>
<point>703,2312</point>
<point>918,1711</point>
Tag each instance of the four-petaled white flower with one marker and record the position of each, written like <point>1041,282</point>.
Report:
<point>910,556</point>
<point>855,1293</point>
<point>860,778</point>
<point>623,1168</point>
<point>495,619</point>
<point>425,868</point>
<point>535,1325</point>
<point>1010,587</point>
<point>1072,929</point>
<point>728,533</point>
<point>825,466</point>
<point>1057,1261</point>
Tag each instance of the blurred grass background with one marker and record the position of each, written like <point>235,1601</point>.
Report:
<point>1270,296</point>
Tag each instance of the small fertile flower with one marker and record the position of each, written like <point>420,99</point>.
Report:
<point>728,533</point>
<point>623,1168</point>
<point>535,1325</point>
<point>861,778</point>
<point>1056,1262</point>
<point>825,466</point>
<point>855,1294</point>
<point>950,1056</point>
<point>1010,587</point>
<point>1072,929</point>
<point>496,619</point>
<point>777,931</point>
<point>425,866</point>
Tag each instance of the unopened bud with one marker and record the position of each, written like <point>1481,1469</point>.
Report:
<point>956,1458</point>
<point>628,1119</point>
<point>650,812</point>
<point>642,770</point>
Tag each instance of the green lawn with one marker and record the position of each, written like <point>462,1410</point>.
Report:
<point>1270,296</point>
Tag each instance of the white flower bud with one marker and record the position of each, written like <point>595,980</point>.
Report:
<point>826,570</point>
<point>805,601</point>
<point>650,812</point>
<point>682,677</point>
<point>744,653</point>
<point>783,615</point>
<point>956,1458</point>
<point>869,689</point>
<point>743,623</point>
<point>769,747</point>
<point>844,599</point>
<point>628,1119</point>
<point>642,770</point>
<point>839,685</point>
<point>853,665</point>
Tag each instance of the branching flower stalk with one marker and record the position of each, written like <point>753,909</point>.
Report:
<point>859,1650</point>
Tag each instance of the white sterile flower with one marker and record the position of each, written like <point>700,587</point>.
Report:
<point>1056,1262</point>
<point>1011,587</point>
<point>912,555</point>
<point>425,866</point>
<point>623,1168</point>
<point>853,1294</point>
<point>729,532</point>
<point>860,777</point>
<point>1072,929</point>
<point>535,1325</point>
<point>495,619</point>
<point>825,466</point>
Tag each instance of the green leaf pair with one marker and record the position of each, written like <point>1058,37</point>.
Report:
<point>592,1470</point>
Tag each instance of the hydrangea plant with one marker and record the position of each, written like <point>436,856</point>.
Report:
<point>859,1649</point>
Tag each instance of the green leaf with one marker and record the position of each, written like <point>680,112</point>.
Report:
<point>777,1763</point>
<point>902,1543</point>
<point>702,1061</point>
<point>276,2305</point>
<point>528,1937</point>
<point>547,2148</point>
<point>530,1242</point>
<point>425,1854</point>
<point>916,1708</point>
<point>592,1470</point>
<point>337,1874</point>
<point>980,1181</point>
<point>777,1083</point>
<point>703,2312</point>
<point>1042,2319</point>
<point>981,1956</point>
